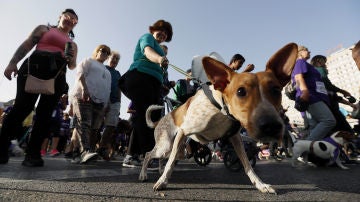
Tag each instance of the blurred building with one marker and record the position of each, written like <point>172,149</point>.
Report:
<point>343,72</point>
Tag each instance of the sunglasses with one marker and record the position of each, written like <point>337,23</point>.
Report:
<point>73,19</point>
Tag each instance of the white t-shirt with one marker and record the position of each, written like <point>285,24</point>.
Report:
<point>97,78</point>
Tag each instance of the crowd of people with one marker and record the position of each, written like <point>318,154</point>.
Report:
<point>95,100</point>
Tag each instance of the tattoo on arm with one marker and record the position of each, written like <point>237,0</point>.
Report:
<point>27,45</point>
<point>35,40</point>
<point>19,54</point>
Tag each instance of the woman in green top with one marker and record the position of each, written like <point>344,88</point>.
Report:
<point>142,83</point>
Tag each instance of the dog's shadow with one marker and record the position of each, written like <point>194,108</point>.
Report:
<point>284,178</point>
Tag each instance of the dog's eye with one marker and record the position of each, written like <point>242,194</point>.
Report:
<point>241,92</point>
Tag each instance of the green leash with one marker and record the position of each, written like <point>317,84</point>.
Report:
<point>180,71</point>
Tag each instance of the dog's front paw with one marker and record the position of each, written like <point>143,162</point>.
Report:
<point>266,188</point>
<point>143,177</point>
<point>160,185</point>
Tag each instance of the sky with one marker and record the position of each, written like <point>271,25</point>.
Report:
<point>254,28</point>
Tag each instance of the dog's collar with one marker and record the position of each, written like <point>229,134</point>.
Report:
<point>209,95</point>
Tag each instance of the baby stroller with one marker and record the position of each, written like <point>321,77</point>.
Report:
<point>230,158</point>
<point>201,153</point>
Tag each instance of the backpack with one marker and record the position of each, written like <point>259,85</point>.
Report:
<point>290,90</point>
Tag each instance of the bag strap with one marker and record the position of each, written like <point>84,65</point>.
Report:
<point>57,74</point>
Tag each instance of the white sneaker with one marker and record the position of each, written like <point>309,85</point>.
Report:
<point>87,156</point>
<point>131,163</point>
<point>301,159</point>
<point>15,149</point>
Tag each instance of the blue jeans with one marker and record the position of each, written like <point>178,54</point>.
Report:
<point>321,120</point>
<point>89,117</point>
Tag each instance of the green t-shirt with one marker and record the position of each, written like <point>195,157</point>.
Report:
<point>141,63</point>
<point>322,71</point>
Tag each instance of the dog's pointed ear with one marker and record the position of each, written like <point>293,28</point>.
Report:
<point>217,72</point>
<point>282,63</point>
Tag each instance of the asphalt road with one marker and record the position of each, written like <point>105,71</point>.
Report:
<point>59,180</point>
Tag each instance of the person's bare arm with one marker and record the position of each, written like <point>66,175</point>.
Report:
<point>24,49</point>
<point>300,81</point>
<point>155,57</point>
<point>85,92</point>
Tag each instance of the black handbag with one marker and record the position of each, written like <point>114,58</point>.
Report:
<point>301,105</point>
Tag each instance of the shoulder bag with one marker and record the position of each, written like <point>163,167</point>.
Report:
<point>35,85</point>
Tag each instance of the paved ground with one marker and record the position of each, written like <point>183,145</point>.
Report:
<point>60,180</point>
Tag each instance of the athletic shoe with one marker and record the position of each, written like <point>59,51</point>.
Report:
<point>87,156</point>
<point>76,157</point>
<point>104,154</point>
<point>68,155</point>
<point>131,162</point>
<point>33,162</point>
<point>54,153</point>
<point>4,159</point>
<point>301,159</point>
<point>43,152</point>
<point>15,149</point>
<point>4,154</point>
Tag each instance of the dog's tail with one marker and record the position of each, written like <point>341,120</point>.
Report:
<point>149,122</point>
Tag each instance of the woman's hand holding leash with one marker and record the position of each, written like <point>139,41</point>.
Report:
<point>164,62</point>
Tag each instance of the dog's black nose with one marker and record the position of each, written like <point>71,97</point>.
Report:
<point>269,126</point>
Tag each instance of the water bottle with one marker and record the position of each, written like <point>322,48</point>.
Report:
<point>68,48</point>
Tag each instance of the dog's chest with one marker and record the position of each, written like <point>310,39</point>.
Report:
<point>205,120</point>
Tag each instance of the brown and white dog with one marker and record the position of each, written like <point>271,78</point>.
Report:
<point>253,99</point>
<point>326,149</point>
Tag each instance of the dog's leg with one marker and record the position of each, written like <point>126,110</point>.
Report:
<point>296,154</point>
<point>338,162</point>
<point>294,159</point>
<point>163,180</point>
<point>255,180</point>
<point>148,156</point>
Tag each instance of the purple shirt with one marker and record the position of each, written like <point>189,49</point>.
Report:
<point>313,81</point>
